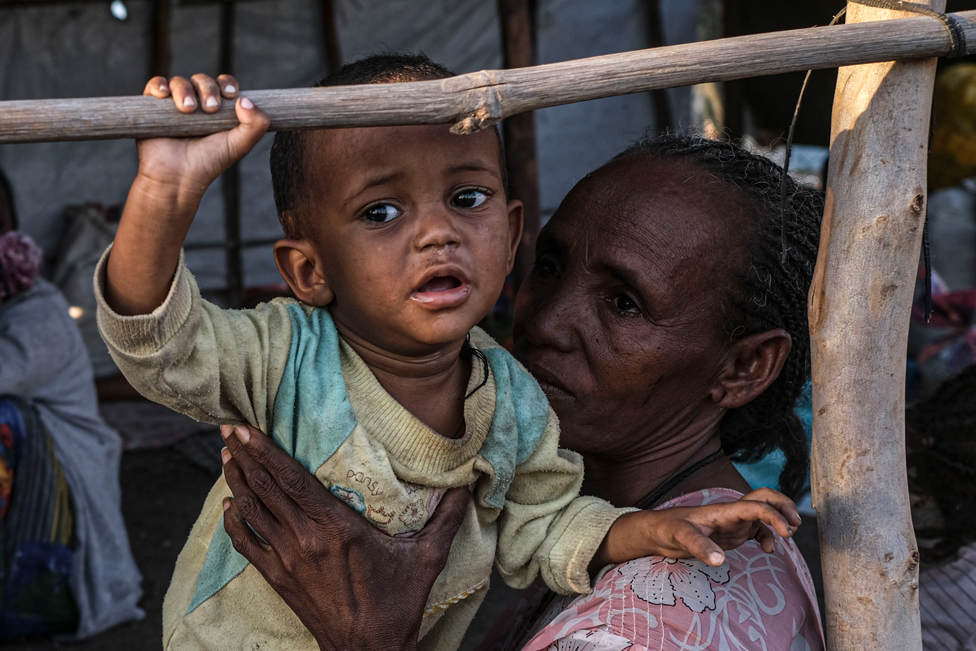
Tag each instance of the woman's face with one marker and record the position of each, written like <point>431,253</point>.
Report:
<point>621,319</point>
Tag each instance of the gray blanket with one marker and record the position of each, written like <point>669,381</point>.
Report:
<point>43,361</point>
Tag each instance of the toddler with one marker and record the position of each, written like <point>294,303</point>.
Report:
<point>397,242</point>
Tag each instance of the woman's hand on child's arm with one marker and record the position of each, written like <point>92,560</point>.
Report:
<point>173,175</point>
<point>340,574</point>
<point>701,532</point>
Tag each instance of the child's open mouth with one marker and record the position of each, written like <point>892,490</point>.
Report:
<point>441,292</point>
<point>440,284</point>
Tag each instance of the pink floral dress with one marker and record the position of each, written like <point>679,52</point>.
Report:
<point>755,601</point>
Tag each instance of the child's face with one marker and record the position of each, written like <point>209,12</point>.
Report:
<point>408,233</point>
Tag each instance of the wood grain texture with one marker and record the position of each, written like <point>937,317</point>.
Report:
<point>860,305</point>
<point>480,99</point>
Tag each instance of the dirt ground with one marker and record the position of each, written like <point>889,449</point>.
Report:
<point>162,493</point>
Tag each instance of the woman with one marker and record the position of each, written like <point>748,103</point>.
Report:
<point>65,563</point>
<point>665,319</point>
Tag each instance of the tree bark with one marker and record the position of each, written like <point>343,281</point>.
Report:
<point>860,305</point>
<point>480,99</point>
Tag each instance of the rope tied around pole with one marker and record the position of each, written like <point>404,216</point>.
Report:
<point>957,43</point>
<point>957,37</point>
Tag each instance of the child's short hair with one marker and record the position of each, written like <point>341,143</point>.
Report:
<point>288,176</point>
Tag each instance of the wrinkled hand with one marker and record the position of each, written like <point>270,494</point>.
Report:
<point>191,164</point>
<point>353,586</point>
<point>702,531</point>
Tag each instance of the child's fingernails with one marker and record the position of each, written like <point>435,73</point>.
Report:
<point>212,102</point>
<point>246,103</point>
<point>226,503</point>
<point>163,88</point>
<point>229,89</point>
<point>715,558</point>
<point>225,455</point>
<point>242,433</point>
<point>189,101</point>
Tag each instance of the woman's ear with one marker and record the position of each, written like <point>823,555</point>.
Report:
<point>515,222</point>
<point>751,365</point>
<point>299,264</point>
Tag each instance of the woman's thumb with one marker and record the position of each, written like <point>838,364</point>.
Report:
<point>449,514</point>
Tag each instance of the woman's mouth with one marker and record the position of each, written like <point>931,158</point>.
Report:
<point>442,292</point>
<point>553,388</point>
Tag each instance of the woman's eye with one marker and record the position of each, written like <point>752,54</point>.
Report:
<point>381,213</point>
<point>624,303</point>
<point>469,199</point>
<point>546,267</point>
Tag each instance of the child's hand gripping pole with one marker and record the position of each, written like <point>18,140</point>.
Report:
<point>701,532</point>
<point>173,175</point>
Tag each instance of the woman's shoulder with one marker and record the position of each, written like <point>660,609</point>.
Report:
<point>754,600</point>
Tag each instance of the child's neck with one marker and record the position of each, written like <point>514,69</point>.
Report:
<point>431,387</point>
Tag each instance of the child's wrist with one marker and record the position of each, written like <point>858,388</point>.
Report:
<point>182,193</point>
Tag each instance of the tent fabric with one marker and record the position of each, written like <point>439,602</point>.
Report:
<point>81,50</point>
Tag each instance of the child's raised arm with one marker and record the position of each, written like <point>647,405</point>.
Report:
<point>173,175</point>
<point>701,531</point>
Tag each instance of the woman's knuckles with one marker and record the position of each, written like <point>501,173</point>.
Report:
<point>261,482</point>
<point>247,507</point>
<point>295,482</point>
<point>309,546</point>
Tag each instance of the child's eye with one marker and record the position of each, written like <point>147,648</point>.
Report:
<point>381,213</point>
<point>469,199</point>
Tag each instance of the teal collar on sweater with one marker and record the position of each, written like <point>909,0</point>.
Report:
<point>312,400</point>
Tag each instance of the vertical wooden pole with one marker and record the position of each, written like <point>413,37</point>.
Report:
<point>733,92</point>
<point>162,20</point>
<point>231,179</point>
<point>707,109</point>
<point>663,119</point>
<point>519,131</point>
<point>860,303</point>
<point>330,36</point>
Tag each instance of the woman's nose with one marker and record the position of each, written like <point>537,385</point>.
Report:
<point>437,230</point>
<point>552,319</point>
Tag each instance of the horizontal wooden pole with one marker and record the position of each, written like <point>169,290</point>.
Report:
<point>479,99</point>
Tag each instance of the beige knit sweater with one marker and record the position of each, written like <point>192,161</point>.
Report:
<point>223,366</point>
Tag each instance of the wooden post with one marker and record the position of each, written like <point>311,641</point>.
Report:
<point>663,121</point>
<point>519,131</point>
<point>230,181</point>
<point>162,20</point>
<point>330,36</point>
<point>859,313</point>
<point>733,92</point>
<point>480,99</point>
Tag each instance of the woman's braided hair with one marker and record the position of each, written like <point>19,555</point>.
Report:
<point>771,293</point>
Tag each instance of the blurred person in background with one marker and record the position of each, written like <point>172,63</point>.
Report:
<point>65,563</point>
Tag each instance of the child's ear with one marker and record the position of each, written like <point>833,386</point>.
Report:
<point>299,265</point>
<point>751,365</point>
<point>515,221</point>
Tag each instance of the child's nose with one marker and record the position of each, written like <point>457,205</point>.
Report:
<point>437,231</point>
